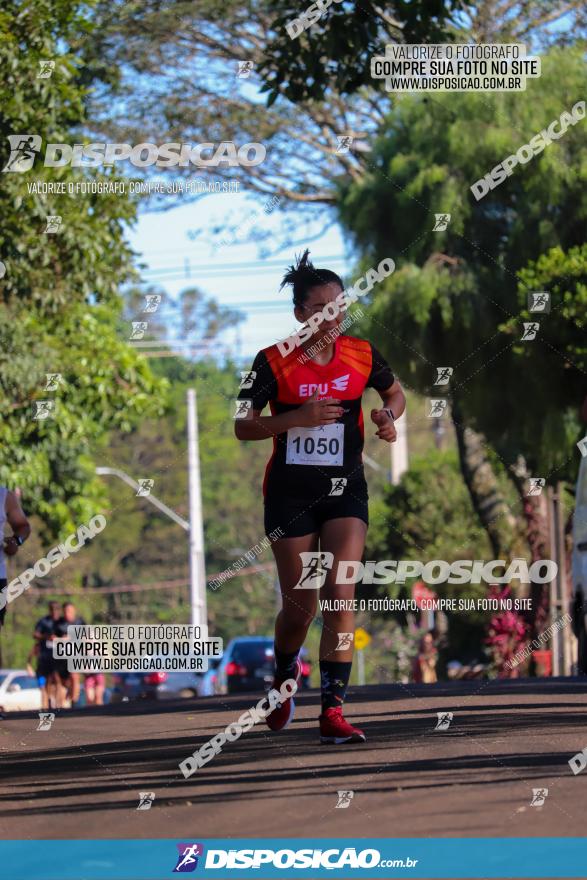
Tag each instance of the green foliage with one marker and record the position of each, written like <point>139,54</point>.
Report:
<point>458,297</point>
<point>553,373</point>
<point>428,516</point>
<point>335,52</point>
<point>59,298</point>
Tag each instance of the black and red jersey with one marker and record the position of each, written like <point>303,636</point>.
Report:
<point>305,460</point>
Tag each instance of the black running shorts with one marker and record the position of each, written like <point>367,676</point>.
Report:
<point>298,516</point>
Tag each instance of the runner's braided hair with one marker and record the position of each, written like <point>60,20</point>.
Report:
<point>303,275</point>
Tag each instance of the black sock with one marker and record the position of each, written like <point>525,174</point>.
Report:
<point>285,664</point>
<point>334,680</point>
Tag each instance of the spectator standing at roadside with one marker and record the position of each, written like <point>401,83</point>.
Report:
<point>425,663</point>
<point>44,636</point>
<point>71,680</point>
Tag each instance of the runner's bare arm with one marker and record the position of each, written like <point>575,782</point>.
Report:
<point>311,414</point>
<point>18,521</point>
<point>394,401</point>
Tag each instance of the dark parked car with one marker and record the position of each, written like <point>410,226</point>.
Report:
<point>153,686</point>
<point>248,665</point>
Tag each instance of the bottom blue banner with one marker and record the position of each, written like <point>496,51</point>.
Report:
<point>482,857</point>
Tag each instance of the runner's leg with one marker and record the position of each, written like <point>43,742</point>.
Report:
<point>299,606</point>
<point>297,612</point>
<point>344,537</point>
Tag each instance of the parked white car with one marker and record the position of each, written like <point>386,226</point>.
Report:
<point>18,691</point>
<point>579,567</point>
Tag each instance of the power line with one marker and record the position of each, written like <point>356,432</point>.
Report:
<point>155,585</point>
<point>254,264</point>
<point>213,270</point>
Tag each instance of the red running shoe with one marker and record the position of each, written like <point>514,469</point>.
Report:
<point>335,730</point>
<point>281,717</point>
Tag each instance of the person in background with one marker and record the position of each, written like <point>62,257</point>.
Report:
<point>71,680</point>
<point>425,662</point>
<point>44,636</point>
<point>95,685</point>
<point>12,513</point>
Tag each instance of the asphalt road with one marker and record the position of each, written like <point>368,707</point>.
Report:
<point>82,778</point>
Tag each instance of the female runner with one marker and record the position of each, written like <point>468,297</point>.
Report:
<point>315,489</point>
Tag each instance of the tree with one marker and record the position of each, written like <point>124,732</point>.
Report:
<point>458,297</point>
<point>334,54</point>
<point>429,516</point>
<point>59,297</point>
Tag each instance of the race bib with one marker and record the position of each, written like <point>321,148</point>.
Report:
<point>322,445</point>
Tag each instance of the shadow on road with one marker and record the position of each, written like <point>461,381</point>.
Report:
<point>402,749</point>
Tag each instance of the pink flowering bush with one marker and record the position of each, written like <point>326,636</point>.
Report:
<point>507,634</point>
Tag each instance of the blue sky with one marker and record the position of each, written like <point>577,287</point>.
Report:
<point>174,260</point>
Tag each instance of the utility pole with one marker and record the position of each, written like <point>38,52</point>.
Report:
<point>562,651</point>
<point>399,450</point>
<point>199,611</point>
<point>195,525</point>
